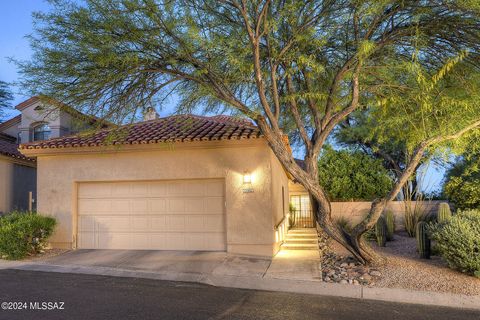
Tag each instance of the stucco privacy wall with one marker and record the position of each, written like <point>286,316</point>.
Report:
<point>248,215</point>
<point>355,211</point>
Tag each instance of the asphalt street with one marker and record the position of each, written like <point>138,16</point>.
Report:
<point>40,295</point>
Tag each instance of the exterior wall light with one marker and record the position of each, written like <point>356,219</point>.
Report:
<point>247,178</point>
<point>247,182</point>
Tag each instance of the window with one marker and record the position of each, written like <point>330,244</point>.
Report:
<point>41,132</point>
<point>19,138</point>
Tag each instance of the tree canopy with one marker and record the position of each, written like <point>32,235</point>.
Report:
<point>293,67</point>
<point>353,175</point>
<point>5,97</point>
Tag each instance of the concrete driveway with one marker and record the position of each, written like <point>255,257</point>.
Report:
<point>164,262</point>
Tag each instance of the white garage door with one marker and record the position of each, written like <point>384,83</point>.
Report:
<point>154,215</point>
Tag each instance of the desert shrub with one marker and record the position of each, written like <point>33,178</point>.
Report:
<point>458,241</point>
<point>24,233</point>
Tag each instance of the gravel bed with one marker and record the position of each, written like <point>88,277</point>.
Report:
<point>45,255</point>
<point>405,270</point>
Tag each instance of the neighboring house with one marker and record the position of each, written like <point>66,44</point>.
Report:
<point>183,182</point>
<point>36,122</point>
<point>17,175</point>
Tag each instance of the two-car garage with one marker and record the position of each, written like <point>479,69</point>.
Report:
<point>152,215</point>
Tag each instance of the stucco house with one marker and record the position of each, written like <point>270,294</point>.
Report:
<point>36,122</point>
<point>183,182</point>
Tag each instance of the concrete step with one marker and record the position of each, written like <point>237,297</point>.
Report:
<point>290,246</point>
<point>302,233</point>
<point>303,230</point>
<point>301,241</point>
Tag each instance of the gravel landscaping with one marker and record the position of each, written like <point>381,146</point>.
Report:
<point>45,255</point>
<point>403,269</point>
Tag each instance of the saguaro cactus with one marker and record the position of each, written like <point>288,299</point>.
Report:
<point>381,231</point>
<point>423,241</point>
<point>444,213</point>
<point>390,221</point>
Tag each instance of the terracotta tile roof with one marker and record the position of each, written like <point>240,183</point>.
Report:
<point>9,148</point>
<point>22,105</point>
<point>7,124</point>
<point>179,128</point>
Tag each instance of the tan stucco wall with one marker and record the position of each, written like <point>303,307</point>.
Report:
<point>280,195</point>
<point>16,180</point>
<point>249,216</point>
<point>6,176</point>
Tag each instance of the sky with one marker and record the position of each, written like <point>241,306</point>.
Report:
<point>16,23</point>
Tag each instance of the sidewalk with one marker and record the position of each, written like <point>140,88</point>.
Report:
<point>289,271</point>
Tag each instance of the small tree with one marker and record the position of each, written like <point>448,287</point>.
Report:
<point>5,97</point>
<point>291,66</point>
<point>352,175</point>
<point>462,185</point>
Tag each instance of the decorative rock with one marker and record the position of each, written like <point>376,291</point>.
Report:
<point>327,279</point>
<point>343,281</point>
<point>375,273</point>
<point>355,282</point>
<point>366,276</point>
<point>343,265</point>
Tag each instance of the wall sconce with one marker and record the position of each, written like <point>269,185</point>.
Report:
<point>247,178</point>
<point>247,182</point>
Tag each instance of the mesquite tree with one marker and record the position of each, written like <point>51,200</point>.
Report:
<point>5,97</point>
<point>290,66</point>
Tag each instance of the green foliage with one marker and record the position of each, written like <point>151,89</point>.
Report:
<point>462,185</point>
<point>423,241</point>
<point>24,233</point>
<point>458,241</point>
<point>348,175</point>
<point>444,214</point>
<point>5,97</point>
<point>381,231</point>
<point>390,221</point>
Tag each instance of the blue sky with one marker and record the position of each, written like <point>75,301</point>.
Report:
<point>16,22</point>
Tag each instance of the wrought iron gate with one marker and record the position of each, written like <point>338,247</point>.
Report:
<point>301,215</point>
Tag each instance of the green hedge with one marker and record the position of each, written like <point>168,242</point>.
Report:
<point>24,233</point>
<point>458,241</point>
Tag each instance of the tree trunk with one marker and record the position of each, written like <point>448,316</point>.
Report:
<point>321,207</point>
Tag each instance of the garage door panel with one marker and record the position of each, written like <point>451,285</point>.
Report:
<point>140,205</point>
<point>86,240</point>
<point>113,224</point>
<point>160,215</point>
<point>214,189</point>
<point>114,240</point>
<point>157,189</point>
<point>86,223</point>
<point>214,205</point>
<point>158,223</point>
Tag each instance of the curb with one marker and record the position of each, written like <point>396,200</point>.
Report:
<point>273,284</point>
